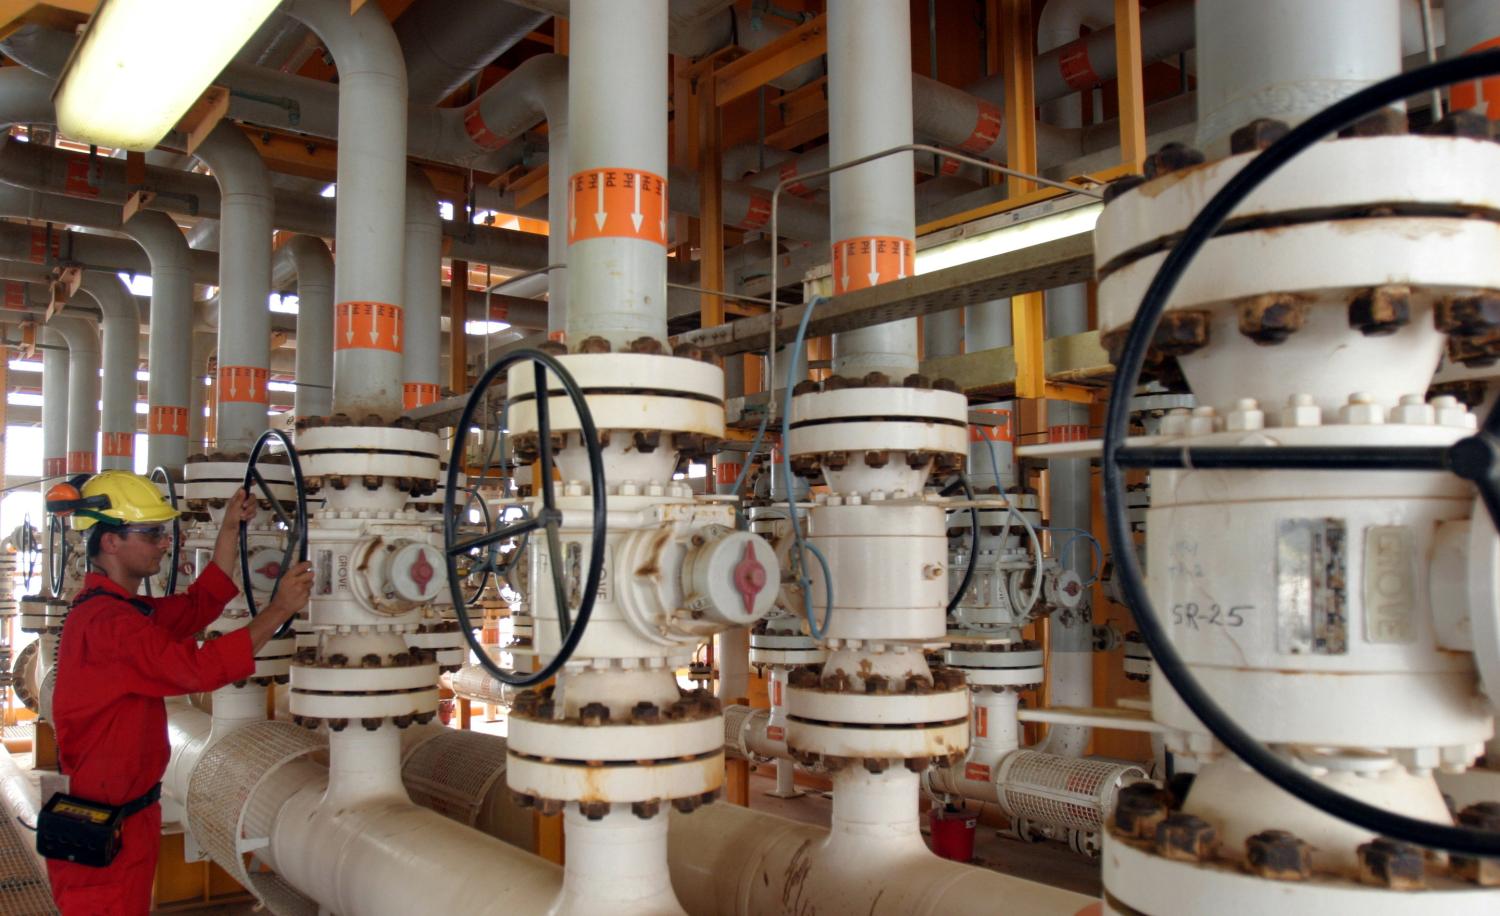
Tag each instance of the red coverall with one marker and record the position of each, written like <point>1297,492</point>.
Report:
<point>114,666</point>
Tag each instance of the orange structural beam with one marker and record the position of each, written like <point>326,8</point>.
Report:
<point>1131,82</point>
<point>807,42</point>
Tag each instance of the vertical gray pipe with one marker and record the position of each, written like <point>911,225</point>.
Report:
<point>314,266</point>
<point>1287,59</point>
<point>244,286</point>
<point>198,392</point>
<point>122,348</point>
<point>423,293</point>
<point>82,336</point>
<point>371,205</point>
<point>169,357</point>
<point>873,205</point>
<point>943,334</point>
<point>54,403</point>
<point>987,326</point>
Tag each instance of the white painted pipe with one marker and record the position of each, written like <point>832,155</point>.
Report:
<point>448,42</point>
<point>54,404</point>
<point>244,286</point>
<point>423,292</point>
<point>1287,59</point>
<point>168,391</point>
<point>121,326</point>
<point>82,335</point>
<point>372,200</point>
<point>870,109</point>
<point>614,865</point>
<point>733,659</point>
<point>733,861</point>
<point>618,120</point>
<point>19,799</point>
<point>314,266</point>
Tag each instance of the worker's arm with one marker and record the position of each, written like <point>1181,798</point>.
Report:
<point>185,614</point>
<point>154,663</point>
<point>291,597</point>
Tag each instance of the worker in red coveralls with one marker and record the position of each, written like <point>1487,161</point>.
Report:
<point>121,654</point>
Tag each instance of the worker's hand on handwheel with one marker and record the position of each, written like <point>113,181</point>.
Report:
<point>293,591</point>
<point>241,508</point>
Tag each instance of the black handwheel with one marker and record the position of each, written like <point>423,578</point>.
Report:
<point>482,558</point>
<point>30,551</point>
<point>962,483</point>
<point>59,552</point>
<point>549,518</point>
<point>296,529</point>
<point>160,474</point>
<point>1476,459</point>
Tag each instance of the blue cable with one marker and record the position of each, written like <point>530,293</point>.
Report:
<point>804,582</point>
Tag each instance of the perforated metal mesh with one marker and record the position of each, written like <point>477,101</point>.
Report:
<point>453,772</point>
<point>23,884</point>
<point>734,724</point>
<point>1066,791</point>
<point>474,683</point>
<point>226,785</point>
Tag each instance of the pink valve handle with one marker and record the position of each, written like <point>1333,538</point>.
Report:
<point>271,570</point>
<point>749,578</point>
<point>421,571</point>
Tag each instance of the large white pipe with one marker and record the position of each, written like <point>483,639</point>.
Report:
<point>874,210</point>
<point>1287,59</point>
<point>244,287</point>
<point>121,327</point>
<point>446,43</point>
<point>54,403</point>
<point>168,391</point>
<point>82,335</point>
<point>371,204</point>
<point>198,397</point>
<point>617,256</point>
<point>733,861</point>
<point>314,266</point>
<point>423,293</point>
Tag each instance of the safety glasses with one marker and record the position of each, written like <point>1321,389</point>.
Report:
<point>150,532</point>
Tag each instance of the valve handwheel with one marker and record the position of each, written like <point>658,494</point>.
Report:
<point>59,552</point>
<point>296,527</point>
<point>548,518</point>
<point>160,474</point>
<point>1476,459</point>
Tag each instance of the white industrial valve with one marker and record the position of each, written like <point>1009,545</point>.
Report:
<point>729,577</point>
<point>395,575</point>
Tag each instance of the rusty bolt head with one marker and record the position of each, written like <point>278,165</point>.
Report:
<point>648,345</point>
<point>422,718</point>
<point>918,764</point>
<point>594,344</point>
<point>1390,863</point>
<point>945,384</point>
<point>645,713</point>
<point>1387,122</point>
<point>553,347</point>
<point>944,463</point>
<point>916,684</point>
<point>687,351</point>
<point>1485,872</point>
<point>877,459</point>
<point>336,660</point>
<point>687,805</point>
<point>806,386</point>
<point>877,380</point>
<point>803,677</point>
<point>1278,856</point>
<point>1186,837</point>
<point>877,683</point>
<point>839,382</point>
<point>1475,352</point>
<point>646,440</point>
<point>875,764</point>
<point>1271,318</point>
<point>372,723</point>
<point>835,461</point>
<point>805,465</point>
<point>1466,122</point>
<point>946,680</point>
<point>916,380</point>
<point>1170,158</point>
<point>521,799</point>
<point>1139,808</point>
<point>646,810</point>
<point>546,708</point>
<point>1468,316</point>
<point>593,714</point>
<point>547,807</point>
<point>1257,135</point>
<point>340,419</point>
<point>403,721</point>
<point>525,703</point>
<point>594,810</point>
<point>311,723</point>
<point>1121,185</point>
<point>916,460</point>
<point>1380,311</point>
<point>370,660</point>
<point>836,681</point>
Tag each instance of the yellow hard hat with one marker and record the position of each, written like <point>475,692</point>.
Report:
<point>112,497</point>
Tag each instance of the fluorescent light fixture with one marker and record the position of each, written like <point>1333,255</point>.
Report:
<point>481,328</point>
<point>121,90</point>
<point>23,399</point>
<point>281,386</point>
<point>331,190</point>
<point>25,365</point>
<point>1008,239</point>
